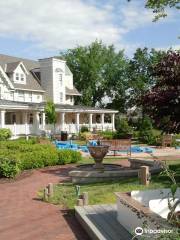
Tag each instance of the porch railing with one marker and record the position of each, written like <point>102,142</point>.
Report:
<point>18,129</point>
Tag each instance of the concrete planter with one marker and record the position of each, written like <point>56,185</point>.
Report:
<point>145,209</point>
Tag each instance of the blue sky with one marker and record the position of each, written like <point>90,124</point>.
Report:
<point>36,29</point>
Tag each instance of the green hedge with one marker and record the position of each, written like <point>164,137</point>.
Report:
<point>19,155</point>
<point>9,168</point>
<point>107,135</point>
<point>5,134</point>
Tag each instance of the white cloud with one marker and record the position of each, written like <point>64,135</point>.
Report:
<point>56,24</point>
<point>62,24</point>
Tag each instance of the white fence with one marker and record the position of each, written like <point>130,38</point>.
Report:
<point>27,129</point>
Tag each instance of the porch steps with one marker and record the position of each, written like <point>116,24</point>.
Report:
<point>100,222</point>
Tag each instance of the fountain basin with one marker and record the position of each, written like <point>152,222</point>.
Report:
<point>88,174</point>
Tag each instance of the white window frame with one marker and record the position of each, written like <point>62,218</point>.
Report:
<point>60,79</point>
<point>61,97</point>
<point>30,98</point>
<point>11,94</point>
<point>22,77</point>
<point>17,77</point>
<point>21,95</point>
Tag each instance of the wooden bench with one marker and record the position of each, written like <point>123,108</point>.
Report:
<point>118,145</point>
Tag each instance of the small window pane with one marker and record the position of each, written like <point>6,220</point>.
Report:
<point>17,76</point>
<point>61,97</point>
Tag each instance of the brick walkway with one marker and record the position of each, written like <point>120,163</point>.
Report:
<point>24,217</point>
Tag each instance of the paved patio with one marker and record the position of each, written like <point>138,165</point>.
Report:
<point>24,217</point>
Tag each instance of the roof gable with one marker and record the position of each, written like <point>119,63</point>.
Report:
<point>31,81</point>
<point>5,77</point>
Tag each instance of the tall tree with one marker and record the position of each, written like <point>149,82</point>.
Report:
<point>160,7</point>
<point>50,113</point>
<point>140,73</point>
<point>162,102</point>
<point>98,72</point>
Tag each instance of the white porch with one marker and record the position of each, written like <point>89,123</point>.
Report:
<point>33,122</point>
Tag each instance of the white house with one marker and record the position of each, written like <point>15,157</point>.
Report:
<point>26,85</point>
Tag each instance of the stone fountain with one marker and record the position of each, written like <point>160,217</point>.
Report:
<point>99,172</point>
<point>98,153</point>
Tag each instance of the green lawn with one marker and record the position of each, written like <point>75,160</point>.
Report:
<point>87,160</point>
<point>65,195</point>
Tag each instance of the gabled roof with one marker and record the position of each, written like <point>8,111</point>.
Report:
<point>4,76</point>
<point>10,67</point>
<point>72,92</point>
<point>31,82</point>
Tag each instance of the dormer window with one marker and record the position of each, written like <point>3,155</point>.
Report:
<point>17,76</point>
<point>22,77</point>
<point>17,71</point>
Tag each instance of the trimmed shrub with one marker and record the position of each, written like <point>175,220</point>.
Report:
<point>8,168</point>
<point>107,135</point>
<point>5,134</point>
<point>85,135</point>
<point>84,129</point>
<point>40,157</point>
<point>28,155</point>
<point>66,156</point>
<point>147,134</point>
<point>123,129</point>
<point>75,157</point>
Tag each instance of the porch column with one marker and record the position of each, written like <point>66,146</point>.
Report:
<point>77,121</point>
<point>36,118</point>
<point>62,121</point>
<point>25,121</point>
<point>90,121</point>
<point>2,112</point>
<point>102,121</point>
<point>43,121</point>
<point>113,121</point>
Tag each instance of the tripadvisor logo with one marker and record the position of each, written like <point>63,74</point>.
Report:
<point>146,231</point>
<point>139,231</point>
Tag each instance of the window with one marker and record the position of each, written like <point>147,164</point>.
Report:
<point>21,95</point>
<point>22,77</point>
<point>30,118</point>
<point>60,79</point>
<point>30,97</point>
<point>40,118</point>
<point>11,95</point>
<point>17,76</point>
<point>61,97</point>
<point>13,118</point>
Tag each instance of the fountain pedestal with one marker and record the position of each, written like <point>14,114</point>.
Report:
<point>98,153</point>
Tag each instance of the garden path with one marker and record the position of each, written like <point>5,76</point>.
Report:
<point>24,217</point>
